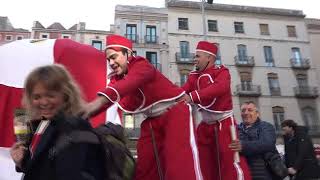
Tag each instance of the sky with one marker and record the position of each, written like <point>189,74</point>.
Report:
<point>99,14</point>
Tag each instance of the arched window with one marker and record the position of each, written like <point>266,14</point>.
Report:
<point>246,83</point>
<point>278,116</point>
<point>309,118</point>
<point>274,85</point>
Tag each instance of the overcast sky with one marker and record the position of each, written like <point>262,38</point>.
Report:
<point>99,14</point>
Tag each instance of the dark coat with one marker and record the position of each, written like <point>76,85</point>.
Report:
<point>299,154</point>
<point>257,140</point>
<point>79,161</point>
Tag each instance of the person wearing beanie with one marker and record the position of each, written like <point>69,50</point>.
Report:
<point>166,147</point>
<point>208,88</point>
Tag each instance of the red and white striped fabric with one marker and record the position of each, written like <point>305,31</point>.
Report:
<point>17,59</point>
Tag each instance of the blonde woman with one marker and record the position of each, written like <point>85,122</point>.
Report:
<point>52,100</point>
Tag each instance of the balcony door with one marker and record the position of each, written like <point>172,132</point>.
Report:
<point>297,59</point>
<point>151,36</point>
<point>131,32</point>
<point>184,50</point>
<point>242,54</point>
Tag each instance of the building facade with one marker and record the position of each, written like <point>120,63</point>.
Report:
<point>267,51</point>
<point>8,33</point>
<point>77,32</point>
<point>147,28</point>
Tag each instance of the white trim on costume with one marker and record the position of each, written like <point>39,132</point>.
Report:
<point>117,93</point>
<point>150,106</point>
<point>239,171</point>
<point>198,84</point>
<point>118,45</point>
<point>191,97</point>
<point>206,52</point>
<point>194,147</point>
<point>198,96</point>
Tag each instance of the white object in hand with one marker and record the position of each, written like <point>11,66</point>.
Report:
<point>234,137</point>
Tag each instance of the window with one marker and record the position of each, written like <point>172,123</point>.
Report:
<point>184,49</point>
<point>218,57</point>
<point>274,85</point>
<point>264,29</point>
<point>302,81</point>
<point>183,79</point>
<point>19,37</point>
<point>238,27</point>
<point>268,56</point>
<point>97,44</point>
<point>151,36</point>
<point>8,37</point>
<point>183,24</point>
<point>297,59</point>
<point>309,118</point>
<point>246,83</point>
<point>66,36</point>
<point>291,31</point>
<point>152,58</point>
<point>212,26</point>
<point>242,54</point>
<point>131,32</point>
<point>278,116</point>
<point>44,36</point>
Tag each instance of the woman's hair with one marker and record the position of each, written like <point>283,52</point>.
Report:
<point>54,78</point>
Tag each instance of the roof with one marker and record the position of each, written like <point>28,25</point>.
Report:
<point>37,24</point>
<point>236,8</point>
<point>5,24</point>
<point>56,26</point>
<point>73,28</point>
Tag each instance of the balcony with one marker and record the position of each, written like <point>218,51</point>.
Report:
<point>300,63</point>
<point>133,37</point>
<point>184,58</point>
<point>248,90</point>
<point>148,39</point>
<point>275,91</point>
<point>306,92</point>
<point>314,130</point>
<point>244,61</point>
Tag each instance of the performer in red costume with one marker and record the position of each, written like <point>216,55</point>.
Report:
<point>209,90</point>
<point>166,147</point>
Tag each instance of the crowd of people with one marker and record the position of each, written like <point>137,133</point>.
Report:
<point>187,133</point>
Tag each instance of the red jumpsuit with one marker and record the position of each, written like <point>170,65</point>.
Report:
<point>146,93</point>
<point>210,91</point>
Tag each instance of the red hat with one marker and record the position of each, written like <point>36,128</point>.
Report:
<point>207,47</point>
<point>115,42</point>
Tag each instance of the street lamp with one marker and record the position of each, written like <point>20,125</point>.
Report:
<point>204,18</point>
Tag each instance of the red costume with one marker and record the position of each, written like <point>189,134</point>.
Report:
<point>210,91</point>
<point>147,94</point>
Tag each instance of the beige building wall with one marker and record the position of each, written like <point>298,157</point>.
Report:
<point>142,17</point>
<point>277,20</point>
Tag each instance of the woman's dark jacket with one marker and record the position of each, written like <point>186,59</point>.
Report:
<point>257,140</point>
<point>299,154</point>
<point>78,161</point>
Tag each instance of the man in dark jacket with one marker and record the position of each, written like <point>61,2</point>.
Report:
<point>299,153</point>
<point>257,137</point>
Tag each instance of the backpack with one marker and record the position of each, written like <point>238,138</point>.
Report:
<point>118,160</point>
